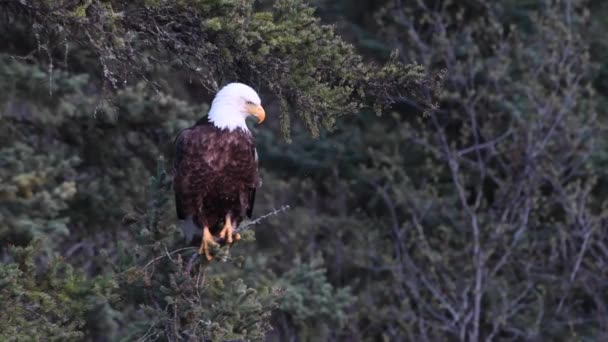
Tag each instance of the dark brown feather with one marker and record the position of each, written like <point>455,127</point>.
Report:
<point>215,173</point>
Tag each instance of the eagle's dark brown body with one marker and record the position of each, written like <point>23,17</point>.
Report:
<point>215,174</point>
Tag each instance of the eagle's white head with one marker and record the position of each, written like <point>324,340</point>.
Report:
<point>233,104</point>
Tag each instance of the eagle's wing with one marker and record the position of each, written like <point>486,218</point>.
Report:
<point>257,184</point>
<point>177,185</point>
<point>251,202</point>
<point>190,168</point>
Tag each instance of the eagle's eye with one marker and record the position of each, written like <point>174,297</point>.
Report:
<point>249,103</point>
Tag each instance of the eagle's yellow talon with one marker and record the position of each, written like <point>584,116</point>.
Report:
<point>206,242</point>
<point>228,233</point>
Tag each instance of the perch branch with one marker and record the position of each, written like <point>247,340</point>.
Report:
<point>241,228</point>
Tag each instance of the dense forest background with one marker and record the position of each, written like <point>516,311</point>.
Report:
<point>444,164</point>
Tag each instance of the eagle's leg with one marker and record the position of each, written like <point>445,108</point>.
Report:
<point>227,233</point>
<point>206,242</point>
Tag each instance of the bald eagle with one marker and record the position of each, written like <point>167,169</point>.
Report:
<point>215,172</point>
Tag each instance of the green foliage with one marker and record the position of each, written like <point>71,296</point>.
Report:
<point>88,147</point>
<point>286,50</point>
<point>23,189</point>
<point>311,300</point>
<point>49,305</point>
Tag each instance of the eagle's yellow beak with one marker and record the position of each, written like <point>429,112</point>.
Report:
<point>257,111</point>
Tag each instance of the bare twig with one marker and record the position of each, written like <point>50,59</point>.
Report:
<point>167,254</point>
<point>247,225</point>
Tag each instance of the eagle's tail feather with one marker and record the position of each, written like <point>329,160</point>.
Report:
<point>189,229</point>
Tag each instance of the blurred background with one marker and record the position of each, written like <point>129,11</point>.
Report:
<point>480,217</point>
